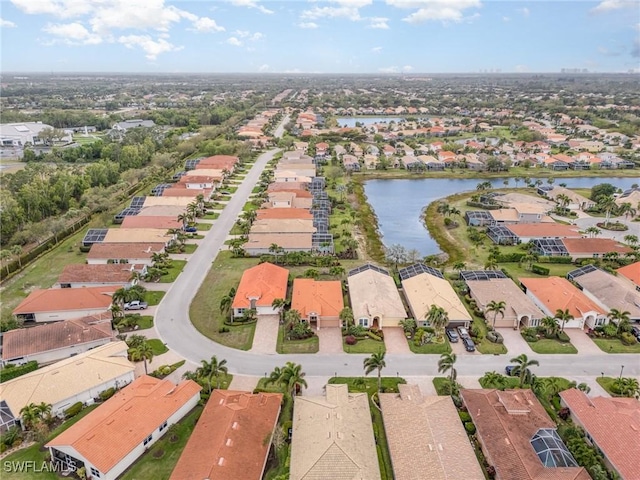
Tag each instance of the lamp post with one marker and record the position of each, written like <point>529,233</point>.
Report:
<point>621,369</point>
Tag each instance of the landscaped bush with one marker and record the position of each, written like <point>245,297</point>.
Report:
<point>494,337</point>
<point>73,410</point>
<point>470,427</point>
<point>10,372</point>
<point>565,260</point>
<point>373,336</point>
<point>563,337</point>
<point>477,331</point>
<point>107,394</point>
<point>464,417</point>
<point>530,334</point>
<point>223,330</point>
<point>513,257</point>
<point>540,270</point>
<point>628,339</point>
<point>350,340</point>
<point>378,332</point>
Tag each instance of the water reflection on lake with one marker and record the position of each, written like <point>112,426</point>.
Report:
<point>399,203</point>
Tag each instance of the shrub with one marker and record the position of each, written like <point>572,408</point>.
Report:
<point>470,427</point>
<point>627,339</point>
<point>477,331</point>
<point>540,270</point>
<point>564,413</point>
<point>378,332</point>
<point>563,337</point>
<point>107,394</point>
<point>9,373</point>
<point>513,257</point>
<point>373,336</point>
<point>223,330</point>
<point>464,416</point>
<point>610,330</point>
<point>350,340</point>
<point>73,410</point>
<point>494,337</point>
<point>565,260</point>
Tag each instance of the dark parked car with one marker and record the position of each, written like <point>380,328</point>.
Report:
<point>509,370</point>
<point>453,336</point>
<point>635,331</point>
<point>469,346</point>
<point>190,229</point>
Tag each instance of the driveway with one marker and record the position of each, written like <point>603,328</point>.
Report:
<point>330,340</point>
<point>514,342</point>
<point>244,383</point>
<point>634,228</point>
<point>395,341</point>
<point>266,336</point>
<point>582,342</point>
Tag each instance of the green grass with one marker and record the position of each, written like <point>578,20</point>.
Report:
<point>614,345</point>
<point>489,348</point>
<point>160,468</point>
<point>510,382</point>
<point>236,230</point>
<point>189,248</point>
<point>607,384</point>
<point>552,346</point>
<point>441,384</point>
<point>157,346</point>
<point>205,308</point>
<point>257,189</point>
<point>153,297</point>
<point>249,206</point>
<point>204,227</point>
<point>555,269</point>
<point>143,321</point>
<point>308,345</point>
<point>211,216</point>
<point>269,387</point>
<point>174,270</point>
<point>34,454</point>
<point>368,345</point>
<point>430,348</point>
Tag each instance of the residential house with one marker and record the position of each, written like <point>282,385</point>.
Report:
<point>412,163</point>
<point>166,222</point>
<point>631,196</point>
<point>301,146</point>
<point>388,151</point>
<point>375,300</point>
<point>517,437</point>
<point>162,211</point>
<point>291,176</point>
<point>371,162</point>
<point>607,291</point>
<point>501,235</point>
<point>260,244</point>
<point>431,163</point>
<point>131,253</point>
<point>297,169</point>
<point>318,302</point>
<point>426,438</point>
<point>333,437</point>
<point>520,213</point>
<point>351,163</point>
<point>576,201</point>
<point>138,235</point>
<point>53,342</point>
<point>167,201</point>
<point>611,426</point>
<point>632,273</point>
<point>232,438</point>
<point>110,439</point>
<point>290,199</point>
<point>57,304</point>
<point>180,190</point>
<point>282,225</point>
<point>593,247</point>
<point>287,187</point>
<point>219,162</point>
<point>98,275</point>
<point>322,149</point>
<point>80,378</point>
<point>478,218</point>
<point>283,213</point>
<point>424,286</point>
<point>519,312</point>
<point>551,294</point>
<point>526,232</point>
<point>259,287</point>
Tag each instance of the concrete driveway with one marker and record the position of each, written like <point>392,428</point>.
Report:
<point>514,342</point>
<point>395,341</point>
<point>582,342</point>
<point>266,335</point>
<point>330,340</point>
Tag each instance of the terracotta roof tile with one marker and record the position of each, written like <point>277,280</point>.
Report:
<point>137,221</point>
<point>266,282</point>
<point>544,230</point>
<point>113,430</point>
<point>116,251</point>
<point>559,293</point>
<point>321,297</point>
<point>593,245</point>
<point>632,272</point>
<point>231,438</point>
<point>66,299</point>
<point>100,273</point>
<point>283,213</point>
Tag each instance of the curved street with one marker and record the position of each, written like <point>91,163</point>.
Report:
<point>174,327</point>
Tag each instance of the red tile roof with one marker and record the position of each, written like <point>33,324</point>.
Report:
<point>283,213</point>
<point>559,293</point>
<point>101,273</point>
<point>232,438</point>
<point>593,245</point>
<point>544,230</point>
<point>632,272</point>
<point>324,298</point>
<point>116,251</point>
<point>186,192</point>
<point>614,425</point>
<point>67,299</point>
<point>266,282</point>
<point>113,430</point>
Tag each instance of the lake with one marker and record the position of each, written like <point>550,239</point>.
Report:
<point>398,204</point>
<point>351,121</point>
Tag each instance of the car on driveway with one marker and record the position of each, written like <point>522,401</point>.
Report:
<point>464,333</point>
<point>509,370</point>
<point>190,229</point>
<point>453,336</point>
<point>469,346</point>
<point>635,331</point>
<point>135,305</point>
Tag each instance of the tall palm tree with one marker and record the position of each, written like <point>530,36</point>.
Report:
<point>29,415</point>
<point>627,209</point>
<point>437,317</point>
<point>4,255</point>
<point>563,316</point>
<point>213,369</point>
<point>446,364</point>
<point>116,310</point>
<point>497,308</point>
<point>16,251</point>
<point>375,362</point>
<point>142,352</point>
<point>608,204</point>
<point>119,297</point>
<point>292,378</point>
<point>620,317</point>
<point>521,368</point>
<point>225,304</point>
<point>550,325</point>
<point>491,264</point>
<point>279,304</point>
<point>593,231</point>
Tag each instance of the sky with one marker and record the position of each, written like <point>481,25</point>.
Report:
<point>319,36</point>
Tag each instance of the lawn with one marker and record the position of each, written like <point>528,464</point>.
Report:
<point>368,345</point>
<point>147,466</point>
<point>552,346</point>
<point>203,227</point>
<point>142,321</point>
<point>614,345</point>
<point>205,308</point>
<point>489,348</point>
<point>249,206</point>
<point>189,247</point>
<point>174,270</point>
<point>157,346</point>
<point>440,384</point>
<point>34,454</point>
<point>308,345</point>
<point>152,297</point>
<point>211,216</point>
<point>430,348</point>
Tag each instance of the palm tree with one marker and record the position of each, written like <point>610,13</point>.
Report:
<point>521,368</point>
<point>491,264</point>
<point>459,266</point>
<point>621,318</point>
<point>375,362</point>
<point>608,204</point>
<point>409,326</point>
<point>5,254</point>
<point>213,369</point>
<point>550,325</point>
<point>142,352</point>
<point>446,364</point>
<point>44,410</point>
<point>29,415</point>
<point>627,210</point>
<point>292,317</point>
<point>493,380</point>
<point>497,308</point>
<point>346,316</point>
<point>563,316</point>
<point>291,377</point>
<point>437,317</point>
<point>593,231</point>
<point>119,297</point>
<point>225,304</point>
<point>16,251</point>
<point>116,311</point>
<point>279,304</point>
<point>275,249</point>
<point>632,240</point>
<point>627,387</point>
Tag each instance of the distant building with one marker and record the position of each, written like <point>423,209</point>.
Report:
<point>21,134</point>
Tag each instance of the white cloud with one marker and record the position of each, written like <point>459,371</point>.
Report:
<point>151,47</point>
<point>264,68</point>
<point>58,8</point>
<point>524,11</point>
<point>389,69</point>
<point>234,41</point>
<point>7,24</point>
<point>376,49</point>
<point>251,4</point>
<point>248,35</point>
<point>435,10</point>
<point>206,24</point>
<point>293,70</point>
<point>521,68</point>
<point>331,12</point>
<point>73,34</point>
<point>308,25</point>
<point>608,5</point>
<point>407,68</point>
<point>379,23</point>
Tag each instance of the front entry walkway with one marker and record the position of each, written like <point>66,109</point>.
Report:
<point>330,340</point>
<point>395,341</point>
<point>266,335</point>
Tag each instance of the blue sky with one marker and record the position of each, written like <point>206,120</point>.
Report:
<point>315,36</point>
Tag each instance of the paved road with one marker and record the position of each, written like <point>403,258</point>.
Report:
<point>175,329</point>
